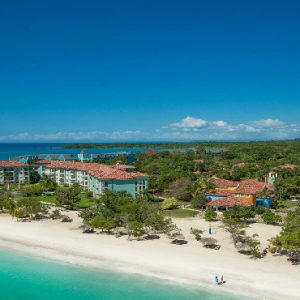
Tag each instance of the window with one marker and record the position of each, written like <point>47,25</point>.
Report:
<point>236,195</point>
<point>247,195</point>
<point>105,185</point>
<point>242,195</point>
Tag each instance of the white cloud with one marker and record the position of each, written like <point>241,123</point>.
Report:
<point>247,128</point>
<point>189,122</point>
<point>200,129</point>
<point>189,128</point>
<point>219,123</point>
<point>268,123</point>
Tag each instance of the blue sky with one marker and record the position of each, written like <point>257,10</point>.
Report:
<point>149,70</point>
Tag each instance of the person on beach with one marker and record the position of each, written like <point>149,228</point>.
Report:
<point>217,280</point>
<point>209,229</point>
<point>222,279</point>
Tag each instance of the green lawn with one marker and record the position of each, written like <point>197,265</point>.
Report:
<point>84,202</point>
<point>181,213</point>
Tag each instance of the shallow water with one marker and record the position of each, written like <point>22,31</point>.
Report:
<point>23,277</point>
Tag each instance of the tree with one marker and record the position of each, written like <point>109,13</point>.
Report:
<point>238,214</point>
<point>34,176</point>
<point>28,207</point>
<point>47,183</point>
<point>136,229</point>
<point>170,203</point>
<point>120,209</point>
<point>289,238</point>
<point>5,197</point>
<point>254,248</point>
<point>102,223</point>
<point>199,201</point>
<point>270,218</point>
<point>287,184</point>
<point>69,196</point>
<point>32,190</point>
<point>181,189</point>
<point>202,186</point>
<point>210,215</point>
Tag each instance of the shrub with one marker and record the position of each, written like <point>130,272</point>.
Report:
<point>254,248</point>
<point>270,218</point>
<point>260,210</point>
<point>170,203</point>
<point>210,215</point>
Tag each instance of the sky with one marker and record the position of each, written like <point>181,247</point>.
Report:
<point>115,71</point>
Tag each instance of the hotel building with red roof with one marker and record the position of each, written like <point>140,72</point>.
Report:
<point>229,193</point>
<point>96,177</point>
<point>14,172</point>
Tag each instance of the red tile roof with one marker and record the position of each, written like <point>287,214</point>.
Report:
<point>249,186</point>
<point>224,183</point>
<point>253,187</point>
<point>11,163</point>
<point>229,201</point>
<point>97,170</point>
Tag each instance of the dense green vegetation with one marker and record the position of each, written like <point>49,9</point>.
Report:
<point>289,238</point>
<point>175,173</point>
<point>137,217</point>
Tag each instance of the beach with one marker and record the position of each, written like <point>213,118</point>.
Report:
<point>269,278</point>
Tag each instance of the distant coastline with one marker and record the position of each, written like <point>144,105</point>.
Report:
<point>171,145</point>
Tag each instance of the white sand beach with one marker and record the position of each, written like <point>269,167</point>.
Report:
<point>269,278</point>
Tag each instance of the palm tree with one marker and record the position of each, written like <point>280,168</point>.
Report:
<point>202,186</point>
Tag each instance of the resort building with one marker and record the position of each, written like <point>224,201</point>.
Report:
<point>96,177</point>
<point>14,172</point>
<point>229,193</point>
<point>85,155</point>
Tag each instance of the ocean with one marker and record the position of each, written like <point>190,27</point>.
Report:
<point>9,150</point>
<point>30,278</point>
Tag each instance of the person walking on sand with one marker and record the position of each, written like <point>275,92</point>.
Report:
<point>222,279</point>
<point>217,280</point>
<point>209,229</point>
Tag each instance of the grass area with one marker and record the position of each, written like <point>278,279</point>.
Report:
<point>181,213</point>
<point>85,201</point>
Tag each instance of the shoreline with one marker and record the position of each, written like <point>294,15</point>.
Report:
<point>95,264</point>
<point>188,265</point>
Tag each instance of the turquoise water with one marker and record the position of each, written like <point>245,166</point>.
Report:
<point>26,278</point>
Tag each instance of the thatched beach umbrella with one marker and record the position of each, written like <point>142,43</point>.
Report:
<point>210,243</point>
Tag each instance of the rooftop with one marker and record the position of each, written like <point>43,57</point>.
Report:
<point>224,183</point>
<point>250,186</point>
<point>11,163</point>
<point>100,171</point>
